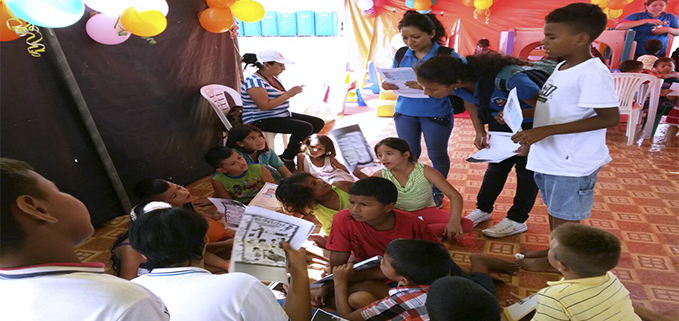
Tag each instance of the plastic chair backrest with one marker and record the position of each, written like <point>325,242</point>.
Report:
<point>216,95</point>
<point>630,89</point>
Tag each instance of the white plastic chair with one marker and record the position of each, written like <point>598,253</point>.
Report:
<point>633,90</point>
<point>216,95</point>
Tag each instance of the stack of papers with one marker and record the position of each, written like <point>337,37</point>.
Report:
<point>399,77</point>
<point>500,148</point>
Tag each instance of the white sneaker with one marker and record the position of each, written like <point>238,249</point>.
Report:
<point>477,216</point>
<point>505,228</point>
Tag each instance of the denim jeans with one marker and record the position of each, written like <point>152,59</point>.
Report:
<point>436,132</point>
<point>494,181</point>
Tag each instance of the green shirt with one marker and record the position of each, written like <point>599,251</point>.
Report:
<point>416,195</point>
<point>325,215</point>
<point>244,187</point>
<point>269,160</point>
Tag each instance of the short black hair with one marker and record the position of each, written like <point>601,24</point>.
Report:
<point>425,22</point>
<point>580,17</point>
<point>169,237</point>
<point>16,180</point>
<point>382,189</point>
<point>460,299</point>
<point>216,155</point>
<point>586,250</point>
<point>653,46</point>
<point>483,42</point>
<point>664,60</point>
<point>629,65</point>
<point>292,193</point>
<point>420,261</point>
<point>150,187</point>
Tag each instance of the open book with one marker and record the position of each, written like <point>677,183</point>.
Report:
<point>231,210</point>
<point>365,264</point>
<point>257,245</point>
<point>521,308</point>
<point>266,198</point>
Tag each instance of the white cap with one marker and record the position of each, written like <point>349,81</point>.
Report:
<point>272,55</point>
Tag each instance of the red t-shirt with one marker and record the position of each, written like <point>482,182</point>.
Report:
<point>365,242</point>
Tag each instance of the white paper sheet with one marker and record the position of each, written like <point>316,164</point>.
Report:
<point>512,114</point>
<point>399,77</point>
<point>521,308</point>
<point>232,211</point>
<point>674,89</point>
<point>500,147</point>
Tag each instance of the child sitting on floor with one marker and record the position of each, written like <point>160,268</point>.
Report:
<point>460,299</point>
<point>585,256</point>
<point>413,182</point>
<point>305,194</point>
<point>235,179</point>
<point>248,141</point>
<point>319,159</point>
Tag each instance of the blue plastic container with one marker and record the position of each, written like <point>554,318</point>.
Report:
<point>306,23</point>
<point>250,29</point>
<point>287,24</point>
<point>326,23</point>
<point>269,24</point>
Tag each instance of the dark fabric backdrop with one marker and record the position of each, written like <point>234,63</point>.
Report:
<point>144,99</point>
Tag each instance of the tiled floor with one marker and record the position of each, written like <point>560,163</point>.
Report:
<point>637,199</point>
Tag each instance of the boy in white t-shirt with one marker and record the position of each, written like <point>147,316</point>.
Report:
<point>41,277</point>
<point>575,106</point>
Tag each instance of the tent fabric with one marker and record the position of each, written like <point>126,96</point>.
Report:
<point>144,99</point>
<point>373,31</point>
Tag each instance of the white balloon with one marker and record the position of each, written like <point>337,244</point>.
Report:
<point>147,5</point>
<point>365,4</point>
<point>109,7</point>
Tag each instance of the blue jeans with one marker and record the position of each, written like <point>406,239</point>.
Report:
<point>436,132</point>
<point>567,198</point>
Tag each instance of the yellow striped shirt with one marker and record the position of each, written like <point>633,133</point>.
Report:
<point>596,298</point>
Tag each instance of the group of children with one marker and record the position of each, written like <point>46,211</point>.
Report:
<point>391,214</point>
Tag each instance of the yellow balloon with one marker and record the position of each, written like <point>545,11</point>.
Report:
<point>482,4</point>
<point>143,24</point>
<point>630,1</point>
<point>614,14</point>
<point>248,11</point>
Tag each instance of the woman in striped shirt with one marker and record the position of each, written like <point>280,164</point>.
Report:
<point>266,102</point>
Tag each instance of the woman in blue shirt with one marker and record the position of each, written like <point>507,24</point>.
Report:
<point>652,23</point>
<point>473,79</point>
<point>433,117</point>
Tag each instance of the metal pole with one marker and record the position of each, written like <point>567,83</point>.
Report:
<point>66,73</point>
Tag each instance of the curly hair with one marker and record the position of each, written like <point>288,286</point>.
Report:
<point>294,196</point>
<point>447,70</point>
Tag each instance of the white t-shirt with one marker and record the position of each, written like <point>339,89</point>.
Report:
<point>193,293</point>
<point>74,292</point>
<point>567,96</point>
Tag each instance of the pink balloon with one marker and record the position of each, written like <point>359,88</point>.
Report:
<point>102,29</point>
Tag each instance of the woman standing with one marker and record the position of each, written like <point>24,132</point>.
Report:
<point>431,116</point>
<point>266,103</point>
<point>652,23</point>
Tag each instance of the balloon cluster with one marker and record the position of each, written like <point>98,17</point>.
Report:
<point>481,8</point>
<point>612,8</point>
<point>118,20</point>
<point>219,16</point>
<point>422,6</point>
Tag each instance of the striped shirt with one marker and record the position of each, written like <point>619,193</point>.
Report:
<point>416,195</point>
<point>596,298</point>
<point>252,113</point>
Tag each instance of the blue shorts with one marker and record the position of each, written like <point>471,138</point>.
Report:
<point>567,198</point>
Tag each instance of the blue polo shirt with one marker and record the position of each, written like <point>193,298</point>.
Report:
<point>525,89</point>
<point>422,107</point>
<point>644,31</point>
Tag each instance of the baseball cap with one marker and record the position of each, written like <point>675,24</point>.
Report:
<point>272,55</point>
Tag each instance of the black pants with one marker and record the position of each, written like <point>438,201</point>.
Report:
<point>494,181</point>
<point>300,126</point>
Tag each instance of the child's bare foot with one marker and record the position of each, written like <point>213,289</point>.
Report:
<point>540,264</point>
<point>483,263</point>
<point>534,254</point>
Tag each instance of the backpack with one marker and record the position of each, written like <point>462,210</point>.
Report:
<point>538,71</point>
<point>457,102</point>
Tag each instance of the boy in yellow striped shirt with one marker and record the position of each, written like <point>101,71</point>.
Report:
<point>584,255</point>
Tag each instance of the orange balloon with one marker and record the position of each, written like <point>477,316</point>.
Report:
<point>421,4</point>
<point>616,4</point>
<point>216,20</point>
<point>215,230</point>
<point>220,3</point>
<point>7,34</point>
<point>468,3</point>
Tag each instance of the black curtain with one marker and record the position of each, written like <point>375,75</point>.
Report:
<point>144,99</point>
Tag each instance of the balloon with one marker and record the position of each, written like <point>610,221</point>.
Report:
<point>149,5</point>
<point>468,3</point>
<point>220,3</point>
<point>47,13</point>
<point>7,34</point>
<point>143,24</point>
<point>248,11</point>
<point>600,3</point>
<point>422,4</point>
<point>397,41</point>
<point>216,20</point>
<point>102,29</point>
<point>630,1</point>
<point>110,7</point>
<point>483,4</point>
<point>410,4</point>
<point>616,4</point>
<point>612,14</point>
<point>365,4</point>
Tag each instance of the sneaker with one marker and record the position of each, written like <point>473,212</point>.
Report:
<point>505,228</point>
<point>438,199</point>
<point>477,216</point>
